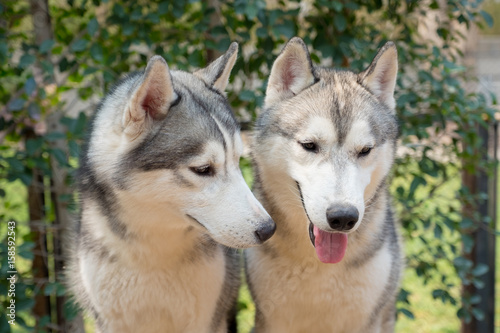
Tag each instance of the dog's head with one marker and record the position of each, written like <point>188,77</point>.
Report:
<point>172,149</point>
<point>329,136</point>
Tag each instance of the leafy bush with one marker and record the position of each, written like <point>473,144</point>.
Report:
<point>92,44</point>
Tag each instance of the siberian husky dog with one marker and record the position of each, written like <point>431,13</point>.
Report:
<point>162,200</point>
<point>322,150</point>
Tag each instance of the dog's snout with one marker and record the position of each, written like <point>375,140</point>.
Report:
<point>266,230</point>
<point>342,217</point>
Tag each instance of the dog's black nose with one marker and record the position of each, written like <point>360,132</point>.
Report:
<point>342,217</point>
<point>266,230</point>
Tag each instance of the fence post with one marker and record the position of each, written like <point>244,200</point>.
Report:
<point>485,238</point>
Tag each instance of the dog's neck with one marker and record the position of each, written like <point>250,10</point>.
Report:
<point>150,239</point>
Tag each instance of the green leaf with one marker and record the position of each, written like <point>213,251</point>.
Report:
<point>74,149</point>
<point>163,8</point>
<point>407,313</point>
<point>119,11</point>
<point>79,45</point>
<point>287,29</point>
<point>25,178</point>
<point>247,95</point>
<point>465,315</point>
<point>15,164</point>
<point>468,243</point>
<point>49,289</point>
<point>153,18</point>
<point>261,32</point>
<point>60,156</point>
<point>24,304</point>
<point>90,70</point>
<point>44,321</point>
<point>92,26</point>
<point>79,125</point>
<point>478,314</point>
<point>336,6</point>
<point>17,104</point>
<point>26,60</point>
<point>54,136</point>
<point>108,76</point>
<point>251,10</point>
<point>480,269</point>
<point>96,52</point>
<point>195,58</point>
<point>60,289</point>
<point>4,323</point>
<point>46,46</point>
<point>33,146</point>
<point>416,182</point>
<point>339,22</point>
<point>25,250</point>
<point>478,283</point>
<point>437,293</point>
<point>475,299</point>
<point>438,231</point>
<point>34,111</point>
<point>128,29</point>
<point>47,67</point>
<point>30,86</point>
<point>487,18</point>
<point>223,44</point>
<point>4,49</point>
<point>462,263</point>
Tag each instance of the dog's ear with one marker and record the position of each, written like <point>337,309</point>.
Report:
<point>380,76</point>
<point>217,73</point>
<point>291,73</point>
<point>152,98</point>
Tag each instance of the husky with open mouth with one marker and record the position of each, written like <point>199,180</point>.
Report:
<point>322,151</point>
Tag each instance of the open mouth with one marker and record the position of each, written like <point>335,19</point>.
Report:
<point>330,246</point>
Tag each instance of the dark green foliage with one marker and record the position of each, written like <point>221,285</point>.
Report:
<point>95,42</point>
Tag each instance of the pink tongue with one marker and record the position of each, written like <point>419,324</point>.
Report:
<point>330,247</point>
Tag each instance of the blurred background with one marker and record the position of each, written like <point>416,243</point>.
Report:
<point>59,57</point>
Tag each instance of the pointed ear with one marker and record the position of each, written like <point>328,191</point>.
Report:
<point>152,98</point>
<point>291,73</point>
<point>217,73</point>
<point>380,76</point>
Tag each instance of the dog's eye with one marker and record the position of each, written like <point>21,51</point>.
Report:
<point>204,170</point>
<point>309,146</point>
<point>365,151</point>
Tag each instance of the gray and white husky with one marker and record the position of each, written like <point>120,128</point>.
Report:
<point>322,149</point>
<point>161,190</point>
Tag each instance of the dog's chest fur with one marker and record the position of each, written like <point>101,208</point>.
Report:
<point>155,299</point>
<point>314,296</point>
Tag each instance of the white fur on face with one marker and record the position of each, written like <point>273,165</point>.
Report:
<point>336,174</point>
<point>222,203</point>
